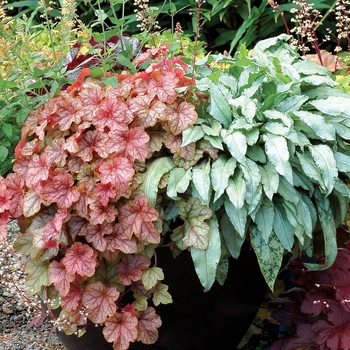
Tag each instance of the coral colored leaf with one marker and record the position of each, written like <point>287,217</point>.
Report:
<point>5,197</point>
<point>119,174</point>
<point>105,192</point>
<point>77,226</point>
<point>38,170</point>
<point>130,144</point>
<point>93,141</point>
<point>180,116</point>
<point>112,114</point>
<point>122,243</point>
<point>14,184</point>
<point>31,203</point>
<point>100,301</point>
<point>21,143</point>
<point>61,191</point>
<point>131,266</point>
<point>164,87</point>
<point>60,277</point>
<point>121,329</point>
<point>149,321</point>
<point>79,83</point>
<point>72,300</point>
<point>95,235</point>
<point>149,233</point>
<point>80,259</point>
<point>100,213</point>
<point>55,153</point>
<point>4,217</point>
<point>133,217</point>
<point>147,111</point>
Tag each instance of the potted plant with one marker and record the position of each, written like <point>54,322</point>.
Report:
<point>244,149</point>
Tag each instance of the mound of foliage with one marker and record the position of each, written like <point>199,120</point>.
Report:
<point>246,148</point>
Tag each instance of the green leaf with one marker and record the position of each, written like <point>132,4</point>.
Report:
<point>232,238</point>
<point>326,163</point>
<point>222,270</point>
<point>221,171</point>
<point>38,275</point>
<point>302,214</point>
<point>218,106</point>
<point>269,179</point>
<point>264,218</point>
<point>269,255</point>
<point>191,134</point>
<point>178,181</point>
<point>325,216</point>
<point>238,217</point>
<point>121,59</point>
<point>206,261</point>
<point>282,227</point>
<point>277,151</point>
<point>151,276</point>
<point>161,295</point>
<point>3,153</point>
<point>256,153</point>
<point>237,145</point>
<point>24,245</point>
<point>7,129</point>
<point>111,81</point>
<point>201,180</point>
<point>151,178</point>
<point>5,84</point>
<point>318,124</point>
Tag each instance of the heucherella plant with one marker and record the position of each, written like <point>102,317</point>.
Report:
<point>248,148</point>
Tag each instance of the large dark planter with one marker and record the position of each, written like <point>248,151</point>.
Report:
<point>196,320</point>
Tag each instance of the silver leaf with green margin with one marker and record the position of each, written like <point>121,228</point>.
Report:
<point>151,178</point>
<point>221,171</point>
<point>325,161</point>
<point>178,181</point>
<point>206,261</point>
<point>201,180</point>
<point>278,153</point>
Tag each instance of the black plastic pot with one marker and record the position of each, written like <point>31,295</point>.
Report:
<point>196,320</point>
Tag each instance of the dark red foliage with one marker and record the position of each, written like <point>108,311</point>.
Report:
<point>318,311</point>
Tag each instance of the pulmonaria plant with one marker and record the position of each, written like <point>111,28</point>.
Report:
<point>316,312</point>
<point>88,228</point>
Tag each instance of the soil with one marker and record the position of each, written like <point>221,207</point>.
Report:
<point>23,325</point>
